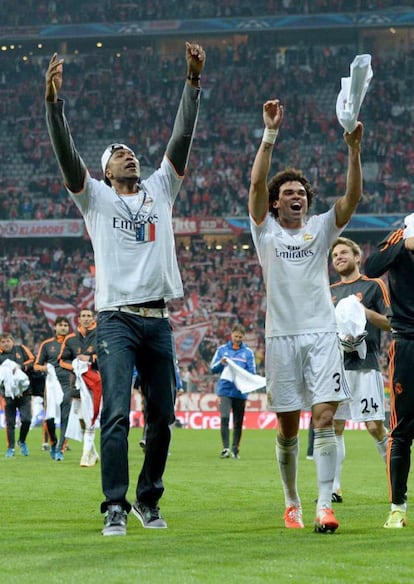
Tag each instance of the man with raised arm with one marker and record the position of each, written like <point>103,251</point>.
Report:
<point>129,221</point>
<point>304,368</point>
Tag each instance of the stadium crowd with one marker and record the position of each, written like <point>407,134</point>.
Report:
<point>33,12</point>
<point>307,81</point>
<point>238,77</point>
<point>226,285</point>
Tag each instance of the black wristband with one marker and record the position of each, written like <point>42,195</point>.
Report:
<point>192,77</point>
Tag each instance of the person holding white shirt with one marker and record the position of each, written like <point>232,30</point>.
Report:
<point>231,398</point>
<point>130,225</point>
<point>304,368</point>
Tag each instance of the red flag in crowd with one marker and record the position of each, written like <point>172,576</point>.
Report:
<point>190,306</point>
<point>53,307</point>
<point>87,300</point>
<point>188,339</point>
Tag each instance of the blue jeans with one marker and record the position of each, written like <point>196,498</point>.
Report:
<point>125,340</point>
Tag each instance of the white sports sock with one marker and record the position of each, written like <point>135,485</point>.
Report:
<point>287,455</point>
<point>340,457</point>
<point>324,455</point>
<point>382,447</point>
<point>94,451</point>
<point>88,441</point>
<point>402,507</point>
<point>37,409</point>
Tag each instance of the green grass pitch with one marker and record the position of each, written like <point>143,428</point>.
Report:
<point>224,519</point>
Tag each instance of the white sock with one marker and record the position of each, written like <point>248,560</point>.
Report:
<point>340,457</point>
<point>37,409</point>
<point>287,455</point>
<point>382,447</point>
<point>88,441</point>
<point>402,507</point>
<point>324,455</point>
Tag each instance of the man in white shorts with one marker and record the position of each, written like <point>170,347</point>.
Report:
<point>363,375</point>
<point>304,367</point>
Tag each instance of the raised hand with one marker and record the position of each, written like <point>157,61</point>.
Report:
<point>272,114</point>
<point>195,57</point>
<point>354,139</point>
<point>54,78</point>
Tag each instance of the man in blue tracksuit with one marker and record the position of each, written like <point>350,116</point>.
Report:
<point>231,399</point>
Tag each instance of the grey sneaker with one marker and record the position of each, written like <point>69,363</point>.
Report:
<point>115,521</point>
<point>149,516</point>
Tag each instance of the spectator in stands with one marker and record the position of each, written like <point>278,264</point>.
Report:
<point>15,391</point>
<point>312,67</point>
<point>130,225</point>
<point>78,11</point>
<point>231,398</point>
<point>304,365</point>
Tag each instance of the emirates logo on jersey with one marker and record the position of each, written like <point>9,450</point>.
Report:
<point>293,253</point>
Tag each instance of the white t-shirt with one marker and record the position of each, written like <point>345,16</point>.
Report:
<point>295,271</point>
<point>133,241</point>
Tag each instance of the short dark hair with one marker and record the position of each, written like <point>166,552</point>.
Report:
<point>86,310</point>
<point>60,319</point>
<point>287,175</point>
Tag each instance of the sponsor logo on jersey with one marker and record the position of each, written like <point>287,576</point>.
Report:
<point>128,225</point>
<point>293,252</point>
<point>143,227</point>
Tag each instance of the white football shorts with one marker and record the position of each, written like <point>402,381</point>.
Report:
<point>367,397</point>
<point>304,370</point>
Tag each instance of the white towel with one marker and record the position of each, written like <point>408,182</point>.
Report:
<point>80,367</point>
<point>13,379</point>
<point>54,394</point>
<point>351,320</point>
<point>74,430</point>
<point>353,90</point>
<point>242,379</point>
<point>408,226</point>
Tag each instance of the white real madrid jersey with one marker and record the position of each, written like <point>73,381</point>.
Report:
<point>133,239</point>
<point>295,271</point>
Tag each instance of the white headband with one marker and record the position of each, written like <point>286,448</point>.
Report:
<point>109,150</point>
